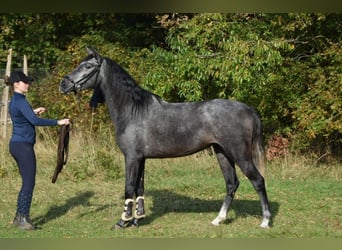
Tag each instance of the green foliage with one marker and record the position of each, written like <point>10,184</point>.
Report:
<point>287,66</point>
<point>33,35</point>
<point>318,112</point>
<point>43,36</point>
<point>268,61</point>
<point>225,56</point>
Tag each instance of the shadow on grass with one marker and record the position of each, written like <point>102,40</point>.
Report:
<point>165,202</point>
<point>81,199</point>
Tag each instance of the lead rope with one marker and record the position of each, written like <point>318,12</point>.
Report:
<point>62,150</point>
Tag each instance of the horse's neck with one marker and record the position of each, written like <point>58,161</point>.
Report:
<point>120,112</point>
<point>124,99</point>
<point>111,104</point>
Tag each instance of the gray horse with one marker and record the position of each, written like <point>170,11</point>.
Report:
<point>148,127</point>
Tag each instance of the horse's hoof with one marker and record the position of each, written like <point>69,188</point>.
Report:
<point>121,225</point>
<point>135,222</point>
<point>217,221</point>
<point>116,227</point>
<point>265,223</point>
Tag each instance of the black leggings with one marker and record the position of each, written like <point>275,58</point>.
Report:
<point>24,155</point>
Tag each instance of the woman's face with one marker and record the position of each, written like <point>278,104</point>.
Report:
<point>21,87</point>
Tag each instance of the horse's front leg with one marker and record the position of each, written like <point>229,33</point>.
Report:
<point>139,211</point>
<point>139,193</point>
<point>132,184</point>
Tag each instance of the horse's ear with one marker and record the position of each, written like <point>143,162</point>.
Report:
<point>93,52</point>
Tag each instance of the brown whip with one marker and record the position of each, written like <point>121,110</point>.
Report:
<point>62,150</point>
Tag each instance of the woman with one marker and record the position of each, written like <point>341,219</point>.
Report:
<point>21,146</point>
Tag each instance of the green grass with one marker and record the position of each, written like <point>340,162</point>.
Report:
<point>182,196</point>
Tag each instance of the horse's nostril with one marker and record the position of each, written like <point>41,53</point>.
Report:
<point>63,84</point>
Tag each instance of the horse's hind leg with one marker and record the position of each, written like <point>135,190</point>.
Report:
<point>231,180</point>
<point>249,169</point>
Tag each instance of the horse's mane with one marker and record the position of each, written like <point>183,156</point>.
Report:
<point>124,90</point>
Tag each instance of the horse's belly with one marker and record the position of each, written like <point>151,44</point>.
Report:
<point>175,147</point>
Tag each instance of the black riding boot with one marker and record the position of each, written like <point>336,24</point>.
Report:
<point>22,219</point>
<point>23,222</point>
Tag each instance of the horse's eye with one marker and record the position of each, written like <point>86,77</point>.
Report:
<point>89,66</point>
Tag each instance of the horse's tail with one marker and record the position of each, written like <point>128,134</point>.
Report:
<point>258,148</point>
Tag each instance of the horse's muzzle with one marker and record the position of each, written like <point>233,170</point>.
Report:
<point>66,86</point>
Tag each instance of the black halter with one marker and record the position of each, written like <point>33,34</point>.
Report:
<point>78,84</point>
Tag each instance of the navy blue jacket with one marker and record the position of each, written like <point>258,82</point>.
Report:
<point>24,120</point>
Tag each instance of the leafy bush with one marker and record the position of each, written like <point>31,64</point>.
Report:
<point>287,66</point>
<point>318,112</point>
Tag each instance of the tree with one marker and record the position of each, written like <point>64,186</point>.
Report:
<point>287,66</point>
<point>43,36</point>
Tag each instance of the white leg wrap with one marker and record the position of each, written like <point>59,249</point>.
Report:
<point>124,214</point>
<point>139,197</point>
<point>137,216</point>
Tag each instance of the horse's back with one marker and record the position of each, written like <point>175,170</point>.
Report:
<point>231,118</point>
<point>226,113</point>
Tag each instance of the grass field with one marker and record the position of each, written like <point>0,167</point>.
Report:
<point>182,196</point>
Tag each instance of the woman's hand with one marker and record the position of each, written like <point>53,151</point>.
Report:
<point>63,122</point>
<point>39,111</point>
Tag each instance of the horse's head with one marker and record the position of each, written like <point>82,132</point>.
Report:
<point>84,76</point>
